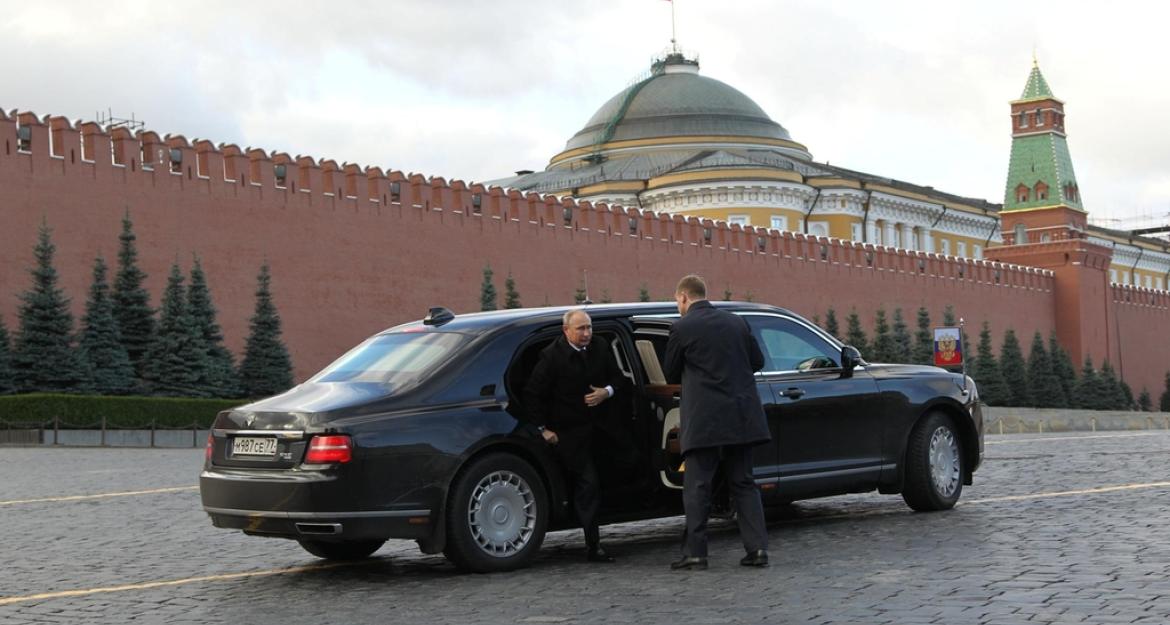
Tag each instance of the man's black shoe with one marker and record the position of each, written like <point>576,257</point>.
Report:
<point>756,558</point>
<point>598,554</point>
<point>689,562</point>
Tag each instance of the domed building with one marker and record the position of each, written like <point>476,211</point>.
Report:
<point>679,142</point>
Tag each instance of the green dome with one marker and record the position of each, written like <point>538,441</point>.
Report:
<point>677,102</point>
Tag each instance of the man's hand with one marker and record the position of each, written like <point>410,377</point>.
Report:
<point>596,396</point>
<point>550,436</point>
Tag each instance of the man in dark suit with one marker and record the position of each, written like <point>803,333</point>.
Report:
<point>571,380</point>
<point>715,356</point>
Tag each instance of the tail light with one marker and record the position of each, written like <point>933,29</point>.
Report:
<point>329,449</point>
<point>210,447</point>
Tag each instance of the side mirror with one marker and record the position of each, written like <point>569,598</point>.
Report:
<point>850,358</point>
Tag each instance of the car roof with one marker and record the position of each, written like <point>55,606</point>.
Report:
<point>480,322</point>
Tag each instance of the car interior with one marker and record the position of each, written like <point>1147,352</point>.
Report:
<point>630,437</point>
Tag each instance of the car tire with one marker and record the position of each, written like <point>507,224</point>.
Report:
<point>496,515</point>
<point>934,465</point>
<point>347,550</point>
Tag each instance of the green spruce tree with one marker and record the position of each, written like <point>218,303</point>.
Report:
<point>1062,367</point>
<point>1011,365</point>
<point>136,323</point>
<point>220,378</point>
<point>6,385</point>
<point>949,320</point>
<point>266,368</point>
<point>101,342</point>
<point>487,290</point>
<point>923,351</point>
<point>883,341</point>
<point>855,335</point>
<point>1164,400</point>
<point>1044,389</point>
<point>1114,396</point>
<point>1145,403</point>
<point>581,295</point>
<point>643,293</point>
<point>902,341</point>
<point>1088,391</point>
<point>177,361</point>
<point>44,357</point>
<point>831,324</point>
<point>993,390</point>
<point>1127,395</point>
<point>605,298</point>
<point>511,296</point>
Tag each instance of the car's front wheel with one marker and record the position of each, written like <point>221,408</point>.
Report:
<point>934,465</point>
<point>348,550</point>
<point>496,516</point>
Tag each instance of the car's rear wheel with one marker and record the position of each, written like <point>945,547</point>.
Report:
<point>496,516</point>
<point>347,550</point>
<point>934,465</point>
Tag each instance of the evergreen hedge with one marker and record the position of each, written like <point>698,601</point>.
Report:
<point>86,411</point>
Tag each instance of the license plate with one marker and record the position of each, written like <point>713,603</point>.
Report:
<point>253,446</point>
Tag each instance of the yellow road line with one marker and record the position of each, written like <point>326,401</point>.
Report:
<point>175,582</point>
<point>1070,438</point>
<point>129,493</point>
<point>1068,493</point>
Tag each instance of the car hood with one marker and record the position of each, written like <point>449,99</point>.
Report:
<point>879,370</point>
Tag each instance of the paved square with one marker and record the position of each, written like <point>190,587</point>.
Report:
<point>1057,529</point>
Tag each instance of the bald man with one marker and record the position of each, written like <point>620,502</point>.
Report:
<point>573,377</point>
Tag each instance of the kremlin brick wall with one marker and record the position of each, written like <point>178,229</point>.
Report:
<point>354,250</point>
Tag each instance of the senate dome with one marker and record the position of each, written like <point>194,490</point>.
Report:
<point>680,143</point>
<point>676,101</point>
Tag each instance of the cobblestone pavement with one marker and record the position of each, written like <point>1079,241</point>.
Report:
<point>1064,528</point>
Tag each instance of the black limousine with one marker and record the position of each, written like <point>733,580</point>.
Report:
<point>417,433</point>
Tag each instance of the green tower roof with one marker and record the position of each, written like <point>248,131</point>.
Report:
<point>1040,161</point>
<point>1037,87</point>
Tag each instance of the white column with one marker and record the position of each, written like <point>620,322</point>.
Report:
<point>890,237</point>
<point>908,237</point>
<point>927,240</point>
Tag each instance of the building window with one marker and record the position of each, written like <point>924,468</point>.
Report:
<point>944,246</point>
<point>978,253</point>
<point>1125,277</point>
<point>1022,193</point>
<point>741,220</point>
<point>1023,119</point>
<point>779,222</point>
<point>1021,234</point>
<point>1039,118</point>
<point>855,231</point>
<point>1149,282</point>
<point>1045,238</point>
<point>1158,283</point>
<point>961,249</point>
<point>1113,276</point>
<point>818,228</point>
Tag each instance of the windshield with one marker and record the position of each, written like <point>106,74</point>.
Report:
<point>395,360</point>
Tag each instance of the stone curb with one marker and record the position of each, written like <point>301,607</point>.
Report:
<point>1001,420</point>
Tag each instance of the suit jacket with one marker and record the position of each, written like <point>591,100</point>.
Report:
<point>555,393</point>
<point>713,353</point>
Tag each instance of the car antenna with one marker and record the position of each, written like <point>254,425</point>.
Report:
<point>437,316</point>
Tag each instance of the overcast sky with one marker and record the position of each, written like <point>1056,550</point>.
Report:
<point>917,91</point>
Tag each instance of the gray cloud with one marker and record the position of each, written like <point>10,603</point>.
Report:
<point>474,90</point>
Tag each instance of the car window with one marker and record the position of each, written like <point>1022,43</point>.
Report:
<point>789,346</point>
<point>395,359</point>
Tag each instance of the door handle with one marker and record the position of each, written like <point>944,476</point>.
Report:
<point>792,393</point>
